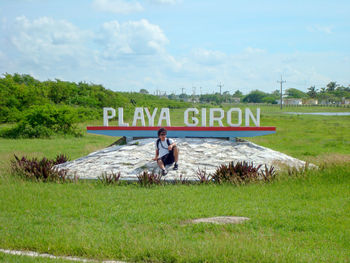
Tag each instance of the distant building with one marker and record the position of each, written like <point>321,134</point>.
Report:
<point>310,102</point>
<point>290,101</point>
<point>236,100</point>
<point>345,101</point>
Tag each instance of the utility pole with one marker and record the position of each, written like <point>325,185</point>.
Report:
<point>194,93</point>
<point>220,85</point>
<point>281,82</point>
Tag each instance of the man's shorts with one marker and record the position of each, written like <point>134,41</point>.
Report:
<point>168,158</point>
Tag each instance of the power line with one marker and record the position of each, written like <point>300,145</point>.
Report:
<point>281,82</point>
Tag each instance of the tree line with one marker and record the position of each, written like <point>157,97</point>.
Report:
<point>332,93</point>
<point>43,108</point>
<point>18,93</point>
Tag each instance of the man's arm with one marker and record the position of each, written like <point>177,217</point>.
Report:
<point>171,146</point>
<point>157,154</point>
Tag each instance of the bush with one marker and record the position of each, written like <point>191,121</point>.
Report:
<point>203,177</point>
<point>40,170</point>
<point>44,121</point>
<point>242,173</point>
<point>112,178</point>
<point>149,178</point>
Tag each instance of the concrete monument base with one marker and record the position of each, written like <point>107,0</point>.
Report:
<point>195,153</point>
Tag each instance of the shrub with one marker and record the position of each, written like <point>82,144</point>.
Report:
<point>107,179</point>
<point>40,170</point>
<point>149,178</point>
<point>242,173</point>
<point>44,121</point>
<point>203,177</point>
<point>182,180</point>
<point>293,171</point>
<point>268,174</point>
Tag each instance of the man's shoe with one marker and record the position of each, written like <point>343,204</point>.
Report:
<point>164,172</point>
<point>176,167</point>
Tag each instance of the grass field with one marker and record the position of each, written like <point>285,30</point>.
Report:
<point>293,219</point>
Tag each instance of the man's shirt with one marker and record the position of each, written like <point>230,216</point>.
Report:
<point>163,147</point>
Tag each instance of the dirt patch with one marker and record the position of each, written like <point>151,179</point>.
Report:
<point>220,220</point>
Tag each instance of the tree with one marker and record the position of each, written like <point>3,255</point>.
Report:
<point>172,96</point>
<point>312,92</point>
<point>295,93</point>
<point>238,94</point>
<point>144,91</point>
<point>276,94</point>
<point>331,86</point>
<point>256,96</point>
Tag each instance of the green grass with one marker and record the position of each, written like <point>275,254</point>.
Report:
<point>306,137</point>
<point>292,220</point>
<point>304,219</point>
<point>27,259</point>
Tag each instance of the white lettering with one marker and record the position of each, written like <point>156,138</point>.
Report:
<point>164,115</point>
<point>106,117</point>
<point>121,118</point>
<point>249,114</point>
<point>138,115</point>
<point>229,115</point>
<point>212,117</point>
<point>151,118</point>
<point>204,117</point>
<point>194,119</point>
<point>215,115</point>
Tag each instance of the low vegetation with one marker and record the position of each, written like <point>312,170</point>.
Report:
<point>147,178</point>
<point>108,179</point>
<point>242,173</point>
<point>44,121</point>
<point>40,170</point>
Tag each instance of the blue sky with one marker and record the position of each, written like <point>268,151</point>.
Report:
<point>170,45</point>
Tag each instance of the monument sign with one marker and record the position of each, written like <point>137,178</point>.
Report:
<point>195,126</point>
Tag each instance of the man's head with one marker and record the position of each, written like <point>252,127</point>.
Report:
<point>162,133</point>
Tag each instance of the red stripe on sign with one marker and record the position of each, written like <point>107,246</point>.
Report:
<point>178,128</point>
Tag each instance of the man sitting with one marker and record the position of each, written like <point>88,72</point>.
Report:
<point>166,151</point>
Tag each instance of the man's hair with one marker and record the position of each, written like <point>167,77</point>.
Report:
<point>162,130</point>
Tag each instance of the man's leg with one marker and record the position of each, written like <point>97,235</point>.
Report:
<point>176,157</point>
<point>161,166</point>
<point>176,153</point>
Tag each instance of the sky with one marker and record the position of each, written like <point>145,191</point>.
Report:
<point>178,45</point>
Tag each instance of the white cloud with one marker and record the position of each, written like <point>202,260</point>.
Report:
<point>252,50</point>
<point>51,48</point>
<point>45,39</point>
<point>320,29</point>
<point>133,55</point>
<point>133,38</point>
<point>45,42</point>
<point>117,6</point>
<point>165,2</point>
<point>208,57</point>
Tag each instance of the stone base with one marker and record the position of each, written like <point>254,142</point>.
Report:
<point>195,153</point>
